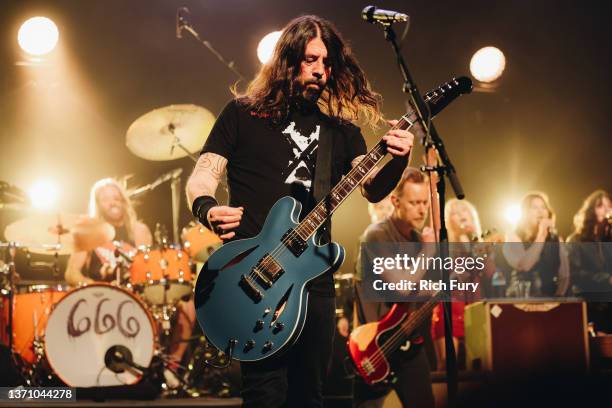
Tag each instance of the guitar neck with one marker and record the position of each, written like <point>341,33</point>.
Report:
<point>349,183</point>
<point>435,101</point>
<point>415,319</point>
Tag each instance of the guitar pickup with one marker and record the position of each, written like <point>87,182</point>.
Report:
<point>294,242</point>
<point>250,288</point>
<point>267,271</point>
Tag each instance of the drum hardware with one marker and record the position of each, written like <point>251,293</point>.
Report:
<point>161,235</point>
<point>200,242</point>
<point>60,233</point>
<point>161,276</point>
<point>170,272</point>
<point>93,319</point>
<point>157,134</point>
<point>175,182</point>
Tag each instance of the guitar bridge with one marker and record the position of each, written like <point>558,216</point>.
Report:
<point>294,242</point>
<point>247,284</point>
<point>267,270</point>
<point>367,366</point>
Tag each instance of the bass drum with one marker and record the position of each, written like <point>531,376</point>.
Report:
<point>86,324</point>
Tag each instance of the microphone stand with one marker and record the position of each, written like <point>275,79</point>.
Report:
<point>231,65</point>
<point>446,168</point>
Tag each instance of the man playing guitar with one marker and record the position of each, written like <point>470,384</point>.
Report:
<point>411,203</point>
<point>268,140</point>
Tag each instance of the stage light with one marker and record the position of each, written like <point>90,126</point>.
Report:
<point>266,46</point>
<point>38,36</point>
<point>512,214</point>
<point>43,194</point>
<point>487,64</point>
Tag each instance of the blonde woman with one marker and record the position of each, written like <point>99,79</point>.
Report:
<point>463,225</point>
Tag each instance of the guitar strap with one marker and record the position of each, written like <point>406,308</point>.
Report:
<point>322,176</point>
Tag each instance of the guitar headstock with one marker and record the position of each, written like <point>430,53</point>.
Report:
<point>440,97</point>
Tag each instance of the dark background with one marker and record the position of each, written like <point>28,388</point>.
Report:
<point>545,128</point>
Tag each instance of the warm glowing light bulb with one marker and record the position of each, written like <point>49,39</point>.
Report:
<point>43,194</point>
<point>512,214</point>
<point>266,46</point>
<point>38,36</point>
<point>487,64</point>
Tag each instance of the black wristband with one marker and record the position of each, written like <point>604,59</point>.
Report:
<point>200,208</point>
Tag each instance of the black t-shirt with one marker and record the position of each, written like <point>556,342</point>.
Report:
<point>105,254</point>
<point>267,162</point>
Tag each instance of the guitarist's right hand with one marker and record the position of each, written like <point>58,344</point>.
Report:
<point>223,219</point>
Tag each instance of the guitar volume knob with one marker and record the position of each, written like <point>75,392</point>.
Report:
<point>268,345</point>
<point>259,324</point>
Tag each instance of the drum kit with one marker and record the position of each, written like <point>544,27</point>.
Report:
<point>111,333</point>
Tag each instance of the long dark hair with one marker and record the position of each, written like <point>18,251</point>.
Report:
<point>522,230</point>
<point>585,219</point>
<point>347,96</point>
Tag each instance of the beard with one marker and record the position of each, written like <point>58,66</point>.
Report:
<point>311,90</point>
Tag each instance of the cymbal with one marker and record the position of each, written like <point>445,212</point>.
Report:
<point>170,132</point>
<point>40,232</point>
<point>62,233</point>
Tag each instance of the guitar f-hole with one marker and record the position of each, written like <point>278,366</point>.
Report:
<point>280,307</point>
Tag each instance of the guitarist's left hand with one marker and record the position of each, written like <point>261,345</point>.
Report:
<point>399,142</point>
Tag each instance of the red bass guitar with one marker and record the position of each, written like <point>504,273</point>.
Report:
<point>373,346</point>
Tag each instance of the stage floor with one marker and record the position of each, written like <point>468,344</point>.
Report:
<point>168,402</point>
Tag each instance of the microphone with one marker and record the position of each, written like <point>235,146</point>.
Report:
<point>119,358</point>
<point>553,235</point>
<point>373,14</point>
<point>180,21</point>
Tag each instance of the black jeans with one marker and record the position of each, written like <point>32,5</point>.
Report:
<point>413,386</point>
<point>294,379</point>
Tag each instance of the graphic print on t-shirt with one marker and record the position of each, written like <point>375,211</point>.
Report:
<point>300,168</point>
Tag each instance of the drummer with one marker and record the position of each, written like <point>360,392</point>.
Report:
<point>108,201</point>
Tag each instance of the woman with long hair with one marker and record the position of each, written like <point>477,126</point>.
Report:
<point>464,232</point>
<point>591,257</point>
<point>540,265</point>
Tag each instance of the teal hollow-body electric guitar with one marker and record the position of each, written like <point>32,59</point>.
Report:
<point>251,295</point>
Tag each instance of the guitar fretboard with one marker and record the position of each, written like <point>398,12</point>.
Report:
<point>435,102</point>
<point>348,184</point>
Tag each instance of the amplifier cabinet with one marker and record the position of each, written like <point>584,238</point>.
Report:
<point>509,337</point>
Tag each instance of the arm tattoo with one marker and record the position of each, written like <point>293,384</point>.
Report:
<point>206,175</point>
<point>212,164</point>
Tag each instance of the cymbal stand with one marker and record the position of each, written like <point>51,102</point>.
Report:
<point>60,231</point>
<point>9,290</point>
<point>176,142</point>
<point>175,187</point>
